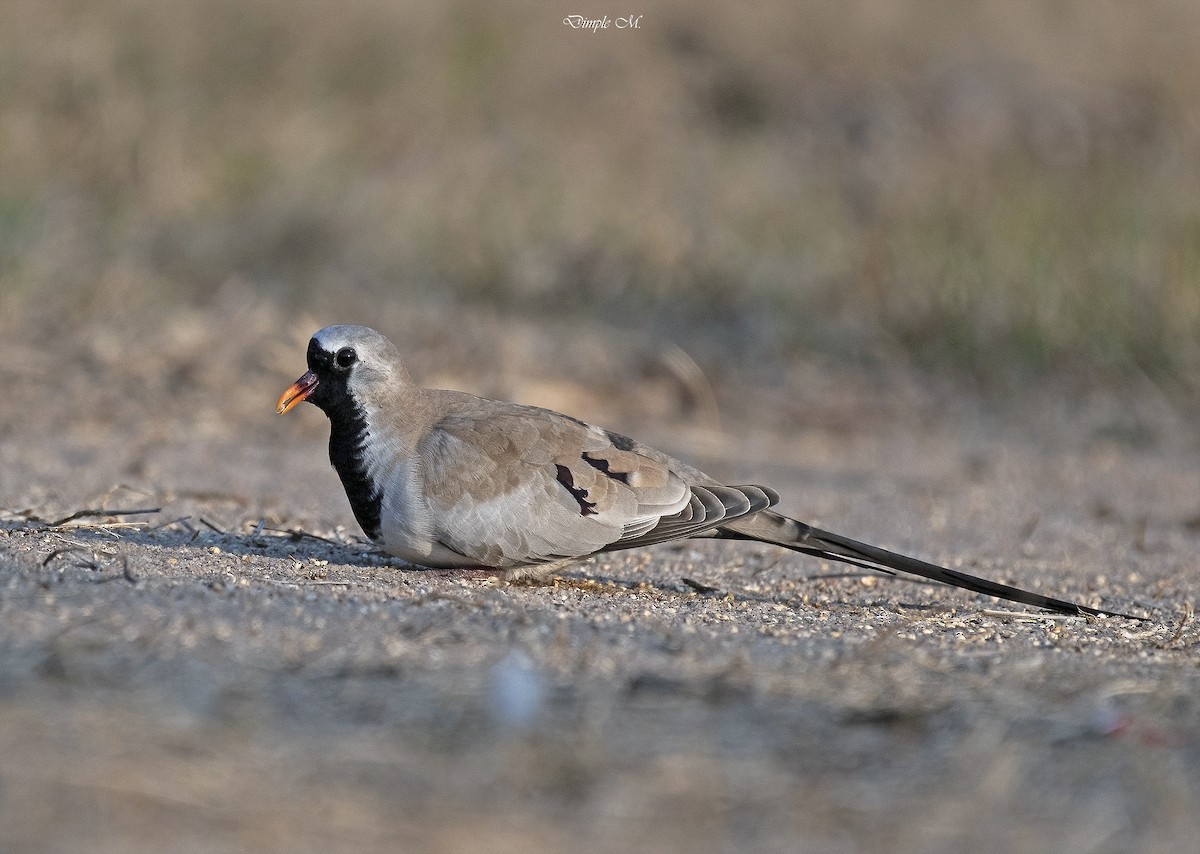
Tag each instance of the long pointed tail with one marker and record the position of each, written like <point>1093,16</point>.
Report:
<point>774,528</point>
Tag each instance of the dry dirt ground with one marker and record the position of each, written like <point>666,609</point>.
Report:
<point>196,678</point>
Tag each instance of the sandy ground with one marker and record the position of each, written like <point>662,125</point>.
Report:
<point>199,679</point>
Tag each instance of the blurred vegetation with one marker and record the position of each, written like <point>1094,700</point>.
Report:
<point>1004,187</point>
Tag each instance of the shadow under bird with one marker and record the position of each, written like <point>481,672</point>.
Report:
<point>447,479</point>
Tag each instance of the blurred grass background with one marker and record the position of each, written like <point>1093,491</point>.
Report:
<point>1004,189</point>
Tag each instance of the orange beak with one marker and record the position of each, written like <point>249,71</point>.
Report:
<point>296,392</point>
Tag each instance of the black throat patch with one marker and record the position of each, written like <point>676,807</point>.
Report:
<point>348,435</point>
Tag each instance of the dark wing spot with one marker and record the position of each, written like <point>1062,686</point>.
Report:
<point>601,464</point>
<point>586,508</point>
<point>621,443</point>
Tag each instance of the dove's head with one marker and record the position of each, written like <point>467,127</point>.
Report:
<point>347,366</point>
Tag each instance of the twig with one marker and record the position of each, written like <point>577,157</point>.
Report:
<point>26,515</point>
<point>698,587</point>
<point>209,524</point>
<point>61,552</point>
<point>297,534</point>
<point>766,567</point>
<point>924,606</point>
<point>190,528</point>
<point>99,514</point>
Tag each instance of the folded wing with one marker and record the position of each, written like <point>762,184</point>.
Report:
<point>511,490</point>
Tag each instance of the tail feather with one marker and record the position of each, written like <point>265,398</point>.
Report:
<point>769,527</point>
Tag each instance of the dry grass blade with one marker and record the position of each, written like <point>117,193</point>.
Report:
<point>1028,615</point>
<point>126,574</point>
<point>831,576</point>
<point>315,582</point>
<point>160,526</point>
<point>694,383</point>
<point>1188,611</point>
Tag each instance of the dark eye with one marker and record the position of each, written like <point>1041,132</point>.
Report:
<point>346,357</point>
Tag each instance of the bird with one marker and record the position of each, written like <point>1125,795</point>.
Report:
<point>445,479</point>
